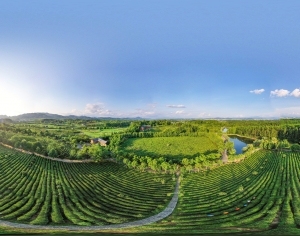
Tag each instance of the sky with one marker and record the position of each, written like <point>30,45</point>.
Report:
<point>151,58</point>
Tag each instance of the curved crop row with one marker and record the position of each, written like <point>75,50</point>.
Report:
<point>254,193</point>
<point>41,191</point>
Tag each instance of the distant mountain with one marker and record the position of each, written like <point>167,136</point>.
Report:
<point>35,116</point>
<point>45,115</point>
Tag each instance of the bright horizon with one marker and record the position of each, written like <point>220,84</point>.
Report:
<point>150,59</point>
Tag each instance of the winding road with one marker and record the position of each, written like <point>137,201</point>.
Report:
<point>163,214</point>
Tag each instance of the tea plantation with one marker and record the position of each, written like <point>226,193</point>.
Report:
<point>260,194</point>
<point>40,191</point>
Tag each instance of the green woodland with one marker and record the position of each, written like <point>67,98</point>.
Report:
<point>134,176</point>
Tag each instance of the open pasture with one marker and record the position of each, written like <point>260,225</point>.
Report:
<point>171,147</point>
<point>96,133</point>
<point>41,191</point>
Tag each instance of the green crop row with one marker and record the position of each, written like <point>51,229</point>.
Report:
<point>41,191</point>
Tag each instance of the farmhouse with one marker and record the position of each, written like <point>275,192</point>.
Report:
<point>145,127</point>
<point>101,141</point>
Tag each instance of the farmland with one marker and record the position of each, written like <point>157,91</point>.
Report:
<point>262,193</point>
<point>40,191</point>
<point>256,191</point>
<point>249,195</point>
<point>99,133</point>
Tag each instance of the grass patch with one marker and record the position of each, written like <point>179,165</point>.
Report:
<point>99,133</point>
<point>170,147</point>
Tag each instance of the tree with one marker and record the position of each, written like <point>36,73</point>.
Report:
<point>189,168</point>
<point>83,153</point>
<point>198,166</point>
<point>134,126</point>
<point>52,152</point>
<point>185,161</point>
<point>73,153</point>
<point>143,166</point>
<point>97,152</point>
<point>295,147</point>
<point>284,144</point>
<point>165,166</point>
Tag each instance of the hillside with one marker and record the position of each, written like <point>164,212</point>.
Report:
<point>45,115</point>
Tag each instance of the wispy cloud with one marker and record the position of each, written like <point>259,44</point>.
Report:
<point>93,110</point>
<point>257,91</point>
<point>279,93</point>
<point>204,114</point>
<point>179,112</point>
<point>141,113</point>
<point>176,106</point>
<point>288,111</point>
<point>152,105</point>
<point>295,93</point>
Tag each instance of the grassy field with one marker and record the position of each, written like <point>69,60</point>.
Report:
<point>171,147</point>
<point>100,133</point>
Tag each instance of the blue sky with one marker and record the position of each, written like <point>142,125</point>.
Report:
<point>153,59</point>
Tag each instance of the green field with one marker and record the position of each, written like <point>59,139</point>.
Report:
<point>259,195</point>
<point>100,133</point>
<point>170,147</point>
<point>262,193</point>
<point>40,191</point>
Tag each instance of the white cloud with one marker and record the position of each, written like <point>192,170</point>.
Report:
<point>179,112</point>
<point>94,108</point>
<point>295,93</point>
<point>176,106</point>
<point>279,93</point>
<point>257,91</point>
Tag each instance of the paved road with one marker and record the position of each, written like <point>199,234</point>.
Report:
<point>165,213</point>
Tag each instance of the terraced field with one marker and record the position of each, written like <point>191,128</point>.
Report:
<point>40,191</point>
<point>259,194</point>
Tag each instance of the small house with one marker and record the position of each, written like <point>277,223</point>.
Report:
<point>101,141</point>
<point>145,127</point>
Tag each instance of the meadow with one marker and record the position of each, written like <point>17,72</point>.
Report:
<point>100,133</point>
<point>170,147</point>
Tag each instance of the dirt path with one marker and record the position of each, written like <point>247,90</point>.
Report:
<point>152,219</point>
<point>50,158</point>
